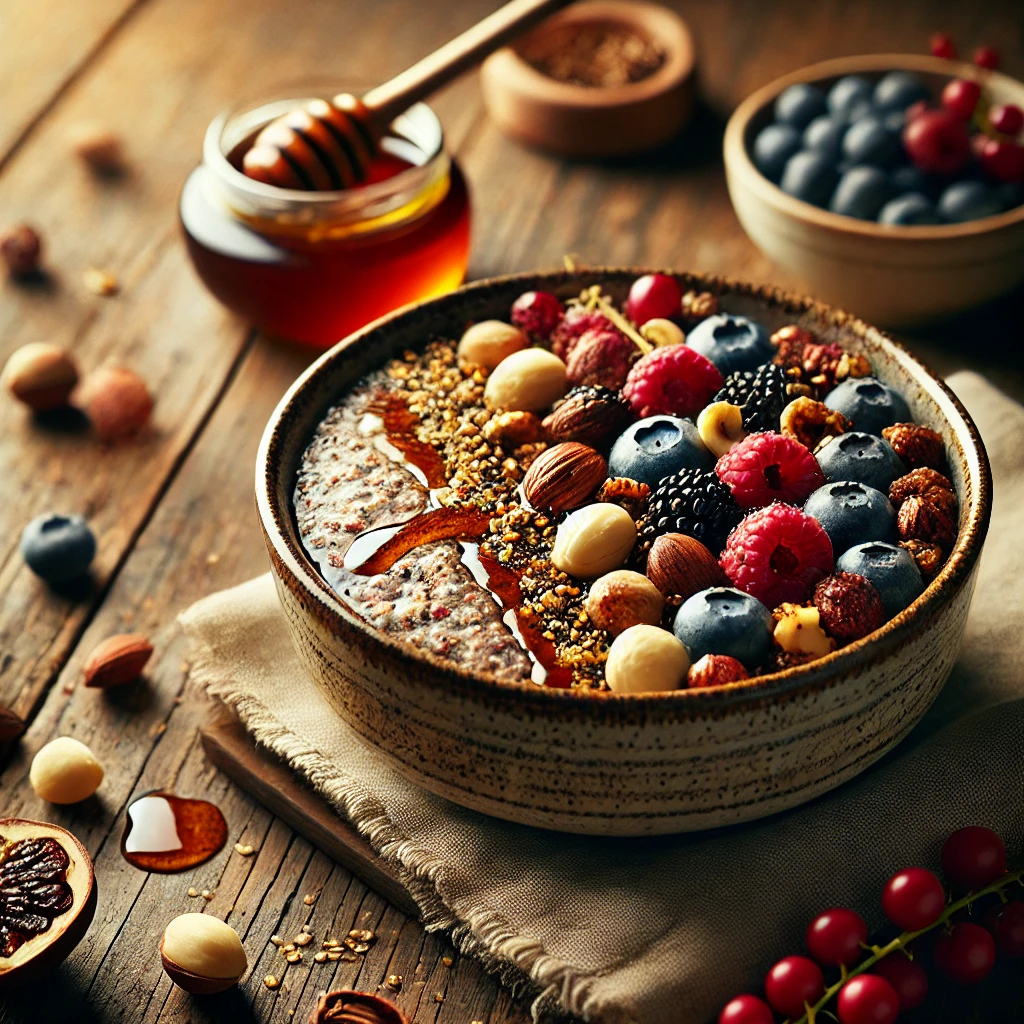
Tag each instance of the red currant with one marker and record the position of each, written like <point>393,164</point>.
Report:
<point>943,46</point>
<point>793,981</point>
<point>907,977</point>
<point>913,899</point>
<point>986,57</point>
<point>1003,160</point>
<point>868,999</point>
<point>746,1010</point>
<point>966,954</point>
<point>1007,119</point>
<point>960,96</point>
<point>938,141</point>
<point>654,295</point>
<point>834,937</point>
<point>973,857</point>
<point>537,313</point>
<point>1006,923</point>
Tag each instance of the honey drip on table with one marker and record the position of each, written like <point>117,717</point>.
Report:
<point>167,833</point>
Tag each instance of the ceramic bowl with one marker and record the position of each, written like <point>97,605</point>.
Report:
<point>603,763</point>
<point>576,121</point>
<point>890,275</point>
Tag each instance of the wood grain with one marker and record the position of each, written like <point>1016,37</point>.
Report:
<point>174,509</point>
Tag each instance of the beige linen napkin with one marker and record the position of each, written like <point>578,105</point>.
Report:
<point>666,929</point>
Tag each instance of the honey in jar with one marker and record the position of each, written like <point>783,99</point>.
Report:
<point>315,266</point>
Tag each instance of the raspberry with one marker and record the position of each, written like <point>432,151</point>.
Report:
<point>537,313</point>
<point>777,554</point>
<point>600,357</point>
<point>673,381</point>
<point>767,467</point>
<point>849,606</point>
<point>576,322</point>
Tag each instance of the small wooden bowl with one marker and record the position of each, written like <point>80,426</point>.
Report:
<point>891,275</point>
<point>581,121</point>
<point>605,763</point>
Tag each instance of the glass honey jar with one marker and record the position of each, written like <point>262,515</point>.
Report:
<point>314,266</point>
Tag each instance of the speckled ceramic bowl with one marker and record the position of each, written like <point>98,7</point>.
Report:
<point>603,763</point>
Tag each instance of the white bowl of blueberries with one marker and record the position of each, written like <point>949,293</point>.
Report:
<point>892,185</point>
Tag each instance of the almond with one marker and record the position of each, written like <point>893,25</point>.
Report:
<point>564,477</point>
<point>116,400</point>
<point>678,564</point>
<point>11,726</point>
<point>41,375</point>
<point>589,415</point>
<point>117,660</point>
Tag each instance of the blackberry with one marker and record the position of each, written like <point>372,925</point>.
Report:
<point>760,393</point>
<point>694,502</point>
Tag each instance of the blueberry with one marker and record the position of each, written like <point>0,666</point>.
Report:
<point>849,95</point>
<point>658,447</point>
<point>725,621</point>
<point>911,179</point>
<point>893,122</point>
<point>58,548</point>
<point>799,105</point>
<point>731,342</point>
<point>861,193</point>
<point>825,135</point>
<point>851,513</point>
<point>898,90</point>
<point>1011,194</point>
<point>909,208</point>
<point>810,177</point>
<point>969,200</point>
<point>871,404</point>
<point>773,146</point>
<point>862,457</point>
<point>868,141</point>
<point>889,568</point>
<point>857,112</point>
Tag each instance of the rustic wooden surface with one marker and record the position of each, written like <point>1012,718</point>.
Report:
<point>173,509</point>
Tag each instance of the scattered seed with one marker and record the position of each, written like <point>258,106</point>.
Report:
<point>100,282</point>
<point>212,559</point>
<point>362,934</point>
<point>331,942</point>
<point>446,960</point>
<point>244,851</point>
<point>320,957</point>
<point>438,997</point>
<point>277,940</point>
<point>357,947</point>
<point>306,929</point>
<point>158,730</point>
<point>395,982</point>
<point>288,947</point>
<point>270,981</point>
<point>333,956</point>
<point>310,898</point>
<point>193,892</point>
<point>293,957</point>
<point>207,895</point>
<point>303,939</point>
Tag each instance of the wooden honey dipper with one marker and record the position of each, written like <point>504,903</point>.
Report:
<point>329,144</point>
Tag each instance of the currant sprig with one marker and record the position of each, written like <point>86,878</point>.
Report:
<point>902,941</point>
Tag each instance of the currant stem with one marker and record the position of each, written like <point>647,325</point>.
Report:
<point>901,941</point>
<point>624,325</point>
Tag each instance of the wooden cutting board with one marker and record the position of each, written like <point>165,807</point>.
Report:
<point>275,786</point>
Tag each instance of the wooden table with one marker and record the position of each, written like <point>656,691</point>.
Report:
<point>173,509</point>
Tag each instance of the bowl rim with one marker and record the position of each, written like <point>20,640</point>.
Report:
<point>295,569</point>
<point>737,158</point>
<point>672,32</point>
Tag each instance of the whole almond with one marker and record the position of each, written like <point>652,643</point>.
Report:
<point>11,726</point>
<point>41,375</point>
<point>589,415</point>
<point>680,565</point>
<point>564,477</point>
<point>116,400</point>
<point>117,660</point>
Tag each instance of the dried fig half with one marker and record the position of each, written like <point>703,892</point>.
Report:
<point>47,897</point>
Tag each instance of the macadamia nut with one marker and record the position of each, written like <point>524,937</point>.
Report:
<point>593,540</point>
<point>199,951</point>
<point>65,771</point>
<point>527,381</point>
<point>490,341</point>
<point>623,598</point>
<point>646,659</point>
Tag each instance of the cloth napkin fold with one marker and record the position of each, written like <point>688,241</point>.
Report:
<point>663,930</point>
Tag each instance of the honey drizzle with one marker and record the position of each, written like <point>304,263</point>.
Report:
<point>400,429</point>
<point>167,833</point>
